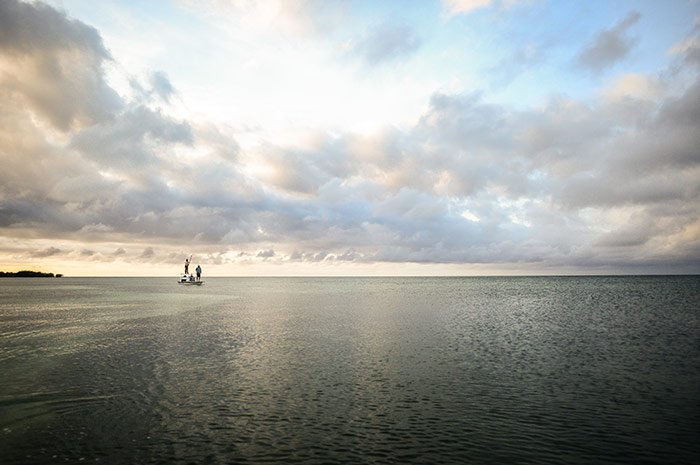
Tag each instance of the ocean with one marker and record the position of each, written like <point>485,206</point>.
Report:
<point>487,370</point>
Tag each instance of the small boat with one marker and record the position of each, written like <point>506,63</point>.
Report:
<point>189,279</point>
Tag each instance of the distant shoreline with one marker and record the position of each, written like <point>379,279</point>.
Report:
<point>28,274</point>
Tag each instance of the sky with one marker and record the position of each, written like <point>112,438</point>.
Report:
<point>314,138</point>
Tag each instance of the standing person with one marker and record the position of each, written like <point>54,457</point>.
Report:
<point>199,273</point>
<point>187,265</point>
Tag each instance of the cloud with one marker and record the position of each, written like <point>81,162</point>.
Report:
<point>634,86</point>
<point>609,46</point>
<point>162,86</point>
<point>465,6</point>
<point>133,141</point>
<point>386,43</point>
<point>154,88</point>
<point>292,18</point>
<point>48,252</point>
<point>456,7</point>
<point>147,253</point>
<point>307,168</point>
<point>689,49</point>
<point>463,154</point>
<point>54,65</point>
<point>107,179</point>
<point>530,176</point>
<point>518,62</point>
<point>608,181</point>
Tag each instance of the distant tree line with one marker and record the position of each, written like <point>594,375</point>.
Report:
<point>28,274</point>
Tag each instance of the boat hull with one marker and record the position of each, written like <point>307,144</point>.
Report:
<point>185,279</point>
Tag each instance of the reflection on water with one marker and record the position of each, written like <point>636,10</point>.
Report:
<point>350,370</point>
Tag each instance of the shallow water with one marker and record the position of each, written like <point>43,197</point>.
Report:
<point>350,370</point>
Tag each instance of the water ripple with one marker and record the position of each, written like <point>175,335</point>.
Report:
<point>517,370</point>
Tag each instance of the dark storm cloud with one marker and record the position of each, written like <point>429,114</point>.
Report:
<point>609,46</point>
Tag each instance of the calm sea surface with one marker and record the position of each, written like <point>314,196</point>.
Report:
<point>350,370</point>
